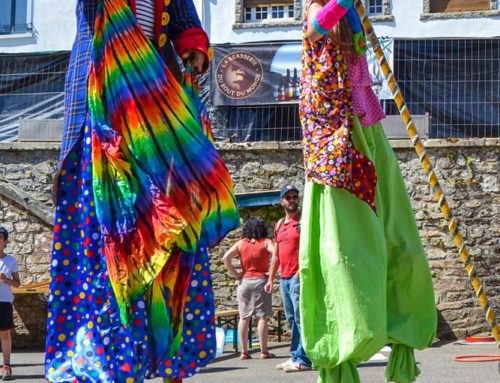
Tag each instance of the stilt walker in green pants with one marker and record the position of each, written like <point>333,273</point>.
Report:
<point>365,280</point>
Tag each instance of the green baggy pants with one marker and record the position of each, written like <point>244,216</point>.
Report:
<point>365,279</point>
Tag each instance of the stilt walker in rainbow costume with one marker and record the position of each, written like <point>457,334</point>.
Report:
<point>141,194</point>
<point>365,279</point>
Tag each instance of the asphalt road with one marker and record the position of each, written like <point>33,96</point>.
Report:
<point>436,364</point>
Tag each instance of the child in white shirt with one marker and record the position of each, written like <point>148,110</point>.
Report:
<point>9,277</point>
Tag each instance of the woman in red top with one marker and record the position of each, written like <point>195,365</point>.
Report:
<point>255,251</point>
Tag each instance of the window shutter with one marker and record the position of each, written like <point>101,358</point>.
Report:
<point>443,6</point>
<point>266,3</point>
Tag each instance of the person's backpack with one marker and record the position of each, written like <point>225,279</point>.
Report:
<point>278,225</point>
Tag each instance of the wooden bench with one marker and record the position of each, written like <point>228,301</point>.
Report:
<point>231,317</point>
<point>35,288</point>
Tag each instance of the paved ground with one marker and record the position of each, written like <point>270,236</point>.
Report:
<point>436,363</point>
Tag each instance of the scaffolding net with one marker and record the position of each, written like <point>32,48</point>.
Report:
<point>31,86</point>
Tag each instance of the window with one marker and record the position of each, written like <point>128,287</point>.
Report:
<point>278,12</point>
<point>379,11</point>
<point>14,16</point>
<point>452,9</point>
<point>375,7</point>
<point>248,14</point>
<point>258,11</point>
<point>267,13</point>
<point>446,6</point>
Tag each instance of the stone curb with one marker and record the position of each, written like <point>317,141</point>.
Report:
<point>285,145</point>
<point>396,144</point>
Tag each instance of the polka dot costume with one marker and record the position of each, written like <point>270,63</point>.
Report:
<point>365,104</point>
<point>327,117</point>
<point>86,340</point>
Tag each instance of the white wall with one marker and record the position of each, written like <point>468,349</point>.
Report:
<point>406,23</point>
<point>54,24</point>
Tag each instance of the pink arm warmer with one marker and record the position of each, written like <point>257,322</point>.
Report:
<point>330,15</point>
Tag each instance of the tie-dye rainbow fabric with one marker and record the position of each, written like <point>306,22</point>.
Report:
<point>162,194</point>
<point>159,183</point>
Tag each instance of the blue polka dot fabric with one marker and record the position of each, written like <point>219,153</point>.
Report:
<point>86,340</point>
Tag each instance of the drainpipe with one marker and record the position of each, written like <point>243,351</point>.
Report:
<point>205,12</point>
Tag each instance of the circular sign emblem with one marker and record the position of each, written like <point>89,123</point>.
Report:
<point>239,75</point>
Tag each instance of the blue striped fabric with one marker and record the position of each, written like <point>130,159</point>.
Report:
<point>146,17</point>
<point>182,15</point>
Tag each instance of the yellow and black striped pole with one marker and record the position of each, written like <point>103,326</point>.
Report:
<point>433,180</point>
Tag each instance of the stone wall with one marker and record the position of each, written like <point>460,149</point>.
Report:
<point>469,174</point>
<point>30,243</point>
<point>30,168</point>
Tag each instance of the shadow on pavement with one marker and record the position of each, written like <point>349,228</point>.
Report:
<point>28,377</point>
<point>372,364</point>
<point>255,353</point>
<point>212,370</point>
<point>442,343</point>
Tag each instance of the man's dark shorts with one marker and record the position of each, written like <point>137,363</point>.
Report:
<point>6,316</point>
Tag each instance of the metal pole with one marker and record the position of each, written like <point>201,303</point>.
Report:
<point>433,180</point>
<point>13,16</point>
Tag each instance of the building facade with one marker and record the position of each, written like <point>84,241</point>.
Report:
<point>35,39</point>
<point>445,56</point>
<point>226,21</point>
<point>36,26</point>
